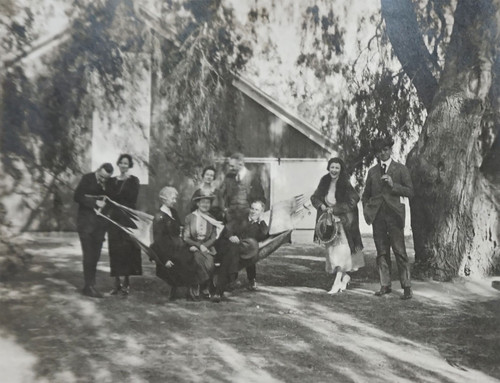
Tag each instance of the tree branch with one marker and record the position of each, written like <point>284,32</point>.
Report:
<point>406,40</point>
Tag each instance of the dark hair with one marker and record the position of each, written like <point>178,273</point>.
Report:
<point>128,157</point>
<point>343,183</point>
<point>237,156</point>
<point>209,167</point>
<point>107,167</point>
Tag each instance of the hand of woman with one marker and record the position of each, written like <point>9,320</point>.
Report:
<point>234,239</point>
<point>203,249</point>
<point>169,264</point>
<point>193,248</point>
<point>323,207</point>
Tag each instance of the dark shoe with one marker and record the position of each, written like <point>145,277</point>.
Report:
<point>216,298</point>
<point>252,285</point>
<point>90,291</point>
<point>383,290</point>
<point>191,297</point>
<point>125,290</point>
<point>205,294</point>
<point>407,294</point>
<point>116,290</point>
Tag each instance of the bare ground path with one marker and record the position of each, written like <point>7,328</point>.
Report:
<point>288,331</point>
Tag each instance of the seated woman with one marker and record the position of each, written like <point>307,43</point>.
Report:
<point>178,266</point>
<point>336,197</point>
<point>200,234</point>
<point>207,187</point>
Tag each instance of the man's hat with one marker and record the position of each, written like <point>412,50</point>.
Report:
<point>249,248</point>
<point>380,143</point>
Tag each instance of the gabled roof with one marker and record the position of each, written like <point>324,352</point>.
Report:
<point>263,99</point>
<point>252,91</point>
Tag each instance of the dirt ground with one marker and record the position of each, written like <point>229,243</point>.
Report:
<point>290,330</point>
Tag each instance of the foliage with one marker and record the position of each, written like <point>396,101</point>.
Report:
<point>45,117</point>
<point>199,122</point>
<point>379,100</point>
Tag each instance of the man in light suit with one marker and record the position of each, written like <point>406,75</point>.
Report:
<point>91,228</point>
<point>386,185</point>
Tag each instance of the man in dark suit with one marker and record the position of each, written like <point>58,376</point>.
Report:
<point>239,188</point>
<point>91,228</point>
<point>238,246</point>
<point>386,185</point>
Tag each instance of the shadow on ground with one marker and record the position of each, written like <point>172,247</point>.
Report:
<point>288,331</point>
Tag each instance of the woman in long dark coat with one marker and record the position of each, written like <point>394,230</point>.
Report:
<point>336,196</point>
<point>177,265</point>
<point>124,253</point>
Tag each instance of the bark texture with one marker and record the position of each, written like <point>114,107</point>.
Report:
<point>408,44</point>
<point>455,210</point>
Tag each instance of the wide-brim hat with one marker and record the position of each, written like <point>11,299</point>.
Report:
<point>327,230</point>
<point>249,248</point>
<point>381,142</point>
<point>203,196</point>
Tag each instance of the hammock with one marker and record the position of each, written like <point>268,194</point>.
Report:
<point>139,225</point>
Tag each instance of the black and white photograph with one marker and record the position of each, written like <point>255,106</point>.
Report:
<point>249,191</point>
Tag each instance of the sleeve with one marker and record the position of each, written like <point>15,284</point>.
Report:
<point>131,192</point>
<point>350,203</point>
<point>80,194</point>
<point>317,197</point>
<point>367,192</point>
<point>405,188</point>
<point>223,194</point>
<point>263,231</point>
<point>158,229</point>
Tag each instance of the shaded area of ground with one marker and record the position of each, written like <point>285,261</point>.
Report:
<point>289,331</point>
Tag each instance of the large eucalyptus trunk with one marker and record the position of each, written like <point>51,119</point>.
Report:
<point>455,211</point>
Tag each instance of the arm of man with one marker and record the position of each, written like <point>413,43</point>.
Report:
<point>81,193</point>
<point>367,192</point>
<point>403,188</point>
<point>263,231</point>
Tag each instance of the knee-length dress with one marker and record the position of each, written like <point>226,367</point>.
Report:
<point>124,253</point>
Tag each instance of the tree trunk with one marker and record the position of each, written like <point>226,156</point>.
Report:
<point>408,44</point>
<point>454,211</point>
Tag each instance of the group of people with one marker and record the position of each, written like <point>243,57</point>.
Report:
<point>221,234</point>
<point>203,253</point>
<point>387,183</point>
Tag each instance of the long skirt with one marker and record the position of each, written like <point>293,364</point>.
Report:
<point>205,266</point>
<point>124,254</point>
<point>338,255</point>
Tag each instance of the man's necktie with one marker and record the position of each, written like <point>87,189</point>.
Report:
<point>384,168</point>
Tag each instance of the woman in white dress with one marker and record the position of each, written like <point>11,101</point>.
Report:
<point>338,224</point>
